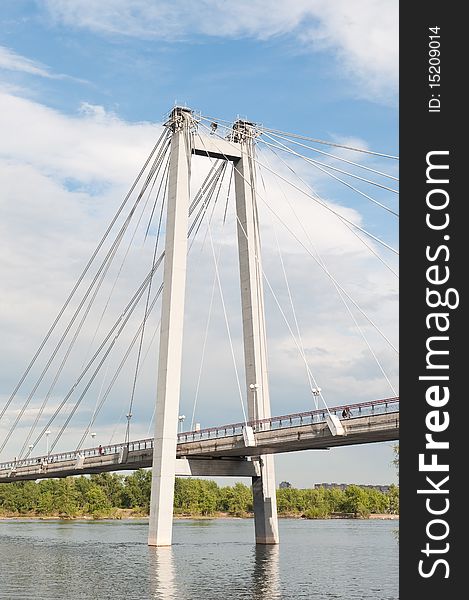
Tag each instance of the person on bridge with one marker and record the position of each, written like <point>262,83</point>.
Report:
<point>100,450</point>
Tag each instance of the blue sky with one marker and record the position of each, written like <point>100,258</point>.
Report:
<point>84,88</point>
<point>280,80</point>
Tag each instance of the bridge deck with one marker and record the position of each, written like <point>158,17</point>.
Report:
<point>221,451</point>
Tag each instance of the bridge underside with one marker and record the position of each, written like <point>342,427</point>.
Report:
<point>223,456</point>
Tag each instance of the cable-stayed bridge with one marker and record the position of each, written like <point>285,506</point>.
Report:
<point>222,451</point>
<point>165,185</point>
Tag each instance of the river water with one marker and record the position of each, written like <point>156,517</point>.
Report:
<point>209,560</point>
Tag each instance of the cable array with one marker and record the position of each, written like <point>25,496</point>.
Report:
<point>134,218</point>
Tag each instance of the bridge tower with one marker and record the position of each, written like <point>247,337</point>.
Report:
<point>254,333</point>
<point>171,331</point>
<point>239,150</point>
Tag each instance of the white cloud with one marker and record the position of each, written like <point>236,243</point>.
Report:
<point>11,61</point>
<point>62,178</point>
<point>362,34</point>
<point>93,146</point>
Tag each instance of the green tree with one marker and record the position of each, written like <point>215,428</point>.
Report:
<point>186,496</point>
<point>395,461</point>
<point>377,502</point>
<point>195,496</point>
<point>47,504</point>
<point>9,497</point>
<point>82,486</point>
<point>137,489</point>
<point>98,504</point>
<point>356,501</point>
<point>236,500</point>
<point>288,500</point>
<point>113,486</point>
<point>208,497</point>
<point>99,494</point>
<point>393,499</point>
<point>67,498</point>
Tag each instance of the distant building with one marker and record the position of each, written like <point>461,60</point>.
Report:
<point>344,486</point>
<point>284,485</point>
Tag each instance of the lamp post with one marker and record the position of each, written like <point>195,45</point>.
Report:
<point>316,393</point>
<point>254,387</point>
<point>48,432</point>
<point>93,435</point>
<point>181,421</point>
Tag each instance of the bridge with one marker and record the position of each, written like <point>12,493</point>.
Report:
<point>240,449</point>
<point>222,451</point>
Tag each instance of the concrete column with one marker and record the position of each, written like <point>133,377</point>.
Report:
<point>255,356</point>
<point>172,317</point>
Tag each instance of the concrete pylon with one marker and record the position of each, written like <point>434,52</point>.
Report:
<point>171,333</point>
<point>252,302</point>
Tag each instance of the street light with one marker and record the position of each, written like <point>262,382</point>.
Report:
<point>316,392</point>
<point>254,387</point>
<point>48,432</point>
<point>93,435</point>
<point>181,421</point>
<point>31,446</point>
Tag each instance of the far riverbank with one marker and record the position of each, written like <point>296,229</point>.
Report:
<point>129,514</point>
<point>115,496</point>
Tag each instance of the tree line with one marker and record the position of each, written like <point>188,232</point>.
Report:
<point>109,494</point>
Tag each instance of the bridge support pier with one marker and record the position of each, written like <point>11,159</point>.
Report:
<point>254,334</point>
<point>265,503</point>
<point>172,318</point>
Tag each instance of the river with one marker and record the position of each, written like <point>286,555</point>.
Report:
<point>209,560</point>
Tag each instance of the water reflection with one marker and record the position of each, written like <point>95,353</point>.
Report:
<point>47,560</point>
<point>262,584</point>
<point>265,573</point>
<point>162,573</point>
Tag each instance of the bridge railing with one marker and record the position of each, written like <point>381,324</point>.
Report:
<point>73,456</point>
<point>347,411</point>
<point>293,420</point>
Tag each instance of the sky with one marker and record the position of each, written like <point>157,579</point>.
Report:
<point>84,91</point>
